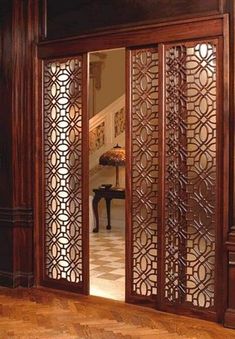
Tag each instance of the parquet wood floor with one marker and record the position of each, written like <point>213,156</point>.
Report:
<point>41,313</point>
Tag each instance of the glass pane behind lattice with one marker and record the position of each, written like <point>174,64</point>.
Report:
<point>63,171</point>
<point>190,200</point>
<point>145,167</point>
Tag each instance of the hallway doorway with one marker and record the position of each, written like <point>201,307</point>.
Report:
<point>174,169</point>
<point>107,117</point>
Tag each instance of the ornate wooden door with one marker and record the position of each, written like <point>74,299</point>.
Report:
<point>177,165</point>
<point>65,142</point>
<point>175,169</point>
<point>143,169</point>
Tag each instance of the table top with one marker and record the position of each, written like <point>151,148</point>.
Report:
<point>110,192</point>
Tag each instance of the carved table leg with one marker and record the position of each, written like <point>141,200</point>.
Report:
<point>108,203</point>
<point>96,213</point>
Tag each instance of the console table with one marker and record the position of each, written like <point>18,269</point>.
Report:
<point>108,194</point>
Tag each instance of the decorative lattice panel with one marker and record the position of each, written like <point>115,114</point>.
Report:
<point>63,171</point>
<point>190,205</point>
<point>145,167</point>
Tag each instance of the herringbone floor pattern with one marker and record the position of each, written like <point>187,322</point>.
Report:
<point>38,313</point>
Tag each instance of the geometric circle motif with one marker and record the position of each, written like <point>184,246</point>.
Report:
<point>145,167</point>
<point>190,201</point>
<point>62,169</point>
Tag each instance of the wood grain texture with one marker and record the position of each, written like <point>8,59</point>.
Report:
<point>68,18</point>
<point>18,28</point>
<point>38,313</point>
<point>6,186</point>
<point>5,110</point>
<point>127,37</point>
<point>189,29</point>
<point>232,115</point>
<point>229,320</point>
<point>85,175</point>
<point>65,178</point>
<point>142,175</point>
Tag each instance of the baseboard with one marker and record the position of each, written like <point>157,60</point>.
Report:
<point>229,318</point>
<point>12,280</point>
<point>16,217</point>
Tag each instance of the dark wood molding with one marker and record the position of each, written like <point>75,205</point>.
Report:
<point>229,318</point>
<point>232,116</point>
<point>223,180</point>
<point>19,29</point>
<point>43,19</point>
<point>229,315</point>
<point>176,31</point>
<point>16,217</point>
<point>230,240</point>
<point>23,40</point>
<point>72,18</point>
<point>85,177</point>
<point>223,6</point>
<point>9,279</point>
<point>19,32</point>
<point>6,186</point>
<point>140,35</point>
<point>231,259</point>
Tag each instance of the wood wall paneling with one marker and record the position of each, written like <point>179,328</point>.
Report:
<point>18,30</point>
<point>18,27</point>
<point>229,319</point>
<point>193,29</point>
<point>232,116</point>
<point>68,18</point>
<point>6,239</point>
<point>5,109</point>
<point>189,29</point>
<point>231,258</point>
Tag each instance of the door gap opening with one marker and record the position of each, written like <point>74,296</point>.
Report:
<point>106,108</point>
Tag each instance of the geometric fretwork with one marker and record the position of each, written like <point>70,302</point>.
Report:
<point>190,183</point>
<point>63,171</point>
<point>145,167</point>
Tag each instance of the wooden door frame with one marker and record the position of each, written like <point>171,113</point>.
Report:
<point>39,204</point>
<point>216,26</point>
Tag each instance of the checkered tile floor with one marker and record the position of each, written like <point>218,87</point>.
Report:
<point>107,264</point>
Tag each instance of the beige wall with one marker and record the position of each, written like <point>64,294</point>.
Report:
<point>112,78</point>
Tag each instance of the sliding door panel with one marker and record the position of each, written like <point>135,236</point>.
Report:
<point>65,245</point>
<point>174,173</point>
<point>176,166</point>
<point>143,174</point>
<point>191,178</point>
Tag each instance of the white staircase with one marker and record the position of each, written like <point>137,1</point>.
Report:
<point>106,129</point>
